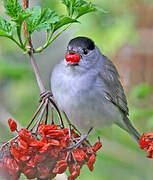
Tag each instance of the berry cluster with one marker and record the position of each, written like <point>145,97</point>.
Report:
<point>46,153</point>
<point>146,143</point>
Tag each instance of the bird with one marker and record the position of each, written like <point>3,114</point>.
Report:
<point>85,85</point>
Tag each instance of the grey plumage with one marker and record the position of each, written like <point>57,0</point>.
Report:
<point>90,93</point>
<point>115,92</point>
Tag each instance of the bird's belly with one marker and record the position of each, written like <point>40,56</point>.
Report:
<point>88,110</point>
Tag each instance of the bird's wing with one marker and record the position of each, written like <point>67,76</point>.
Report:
<point>114,92</point>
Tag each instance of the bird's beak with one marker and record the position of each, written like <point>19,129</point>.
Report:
<point>72,64</point>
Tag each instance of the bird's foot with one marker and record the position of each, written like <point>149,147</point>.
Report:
<point>45,95</point>
<point>79,140</point>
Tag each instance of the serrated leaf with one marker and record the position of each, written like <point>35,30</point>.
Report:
<point>15,11</point>
<point>64,20</point>
<point>32,21</point>
<point>40,20</point>
<point>48,17</point>
<point>74,3</point>
<point>13,8</point>
<point>66,2</point>
<point>79,7</point>
<point>87,8</point>
<point>79,3</point>
<point>6,28</point>
<point>22,16</point>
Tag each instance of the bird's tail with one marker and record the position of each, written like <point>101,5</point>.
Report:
<point>127,126</point>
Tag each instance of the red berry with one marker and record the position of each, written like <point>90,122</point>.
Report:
<point>146,143</point>
<point>25,134</point>
<point>60,167</point>
<point>43,171</point>
<point>30,172</point>
<point>91,162</point>
<point>22,144</point>
<point>97,146</point>
<point>78,154</point>
<point>12,124</point>
<point>46,153</point>
<point>145,140</point>
<point>72,58</point>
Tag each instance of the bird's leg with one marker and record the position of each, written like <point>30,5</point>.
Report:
<point>81,139</point>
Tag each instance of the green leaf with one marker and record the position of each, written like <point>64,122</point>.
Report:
<point>63,21</point>
<point>66,2</point>
<point>74,3</point>
<point>40,20</point>
<point>71,4</point>
<point>13,8</point>
<point>22,16</point>
<point>32,21</point>
<point>15,11</point>
<point>48,17</point>
<point>79,7</point>
<point>6,28</point>
<point>79,3</point>
<point>86,8</point>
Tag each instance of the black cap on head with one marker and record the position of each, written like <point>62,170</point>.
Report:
<point>82,42</point>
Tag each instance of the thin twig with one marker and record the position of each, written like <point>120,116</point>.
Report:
<point>40,116</point>
<point>8,142</point>
<point>36,71</point>
<point>46,117</point>
<point>58,112</point>
<point>30,47</point>
<point>35,114</point>
<point>69,125</point>
<point>52,113</point>
<point>25,6</point>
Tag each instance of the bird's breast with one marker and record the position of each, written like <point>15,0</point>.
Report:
<point>82,99</point>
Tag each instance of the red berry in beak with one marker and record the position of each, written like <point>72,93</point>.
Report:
<point>72,58</point>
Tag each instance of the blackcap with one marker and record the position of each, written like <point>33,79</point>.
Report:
<point>85,85</point>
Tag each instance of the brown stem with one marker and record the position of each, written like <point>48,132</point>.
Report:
<point>52,113</point>
<point>36,71</point>
<point>35,114</point>
<point>35,67</point>
<point>46,116</point>
<point>37,123</point>
<point>30,47</point>
<point>8,142</point>
<point>25,4</point>
<point>58,112</point>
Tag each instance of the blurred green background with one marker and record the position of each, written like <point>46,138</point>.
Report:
<point>125,34</point>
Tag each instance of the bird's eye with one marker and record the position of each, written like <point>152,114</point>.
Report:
<point>85,51</point>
